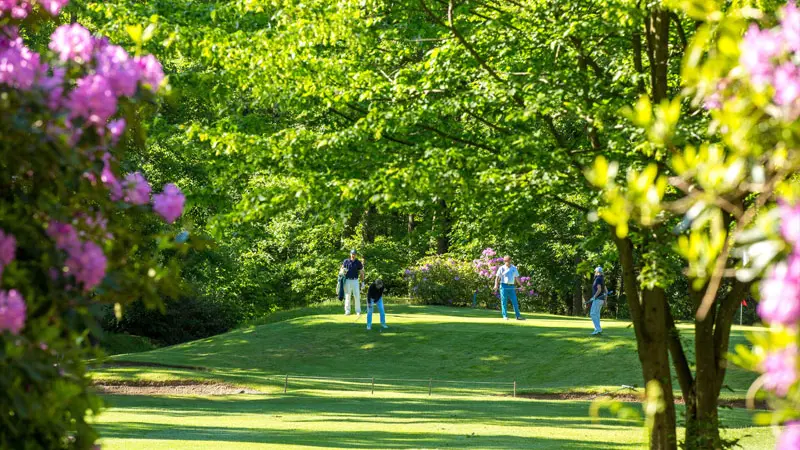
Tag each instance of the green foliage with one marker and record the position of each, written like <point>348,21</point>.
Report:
<point>440,280</point>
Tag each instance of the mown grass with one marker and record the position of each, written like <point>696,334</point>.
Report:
<point>426,348</point>
<point>371,422</point>
<point>544,353</point>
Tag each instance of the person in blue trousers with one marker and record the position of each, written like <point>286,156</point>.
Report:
<point>506,279</point>
<point>599,291</point>
<point>375,298</point>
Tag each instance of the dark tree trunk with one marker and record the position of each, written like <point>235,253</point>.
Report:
<point>350,224</point>
<point>577,291</point>
<point>369,224</point>
<point>649,317</point>
<point>443,228</point>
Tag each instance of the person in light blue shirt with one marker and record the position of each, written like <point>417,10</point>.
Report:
<point>506,279</point>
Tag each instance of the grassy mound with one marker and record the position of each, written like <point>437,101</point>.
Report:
<point>542,354</point>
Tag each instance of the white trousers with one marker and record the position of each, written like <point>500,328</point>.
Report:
<point>351,287</point>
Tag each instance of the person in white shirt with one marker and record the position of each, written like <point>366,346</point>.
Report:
<point>506,280</point>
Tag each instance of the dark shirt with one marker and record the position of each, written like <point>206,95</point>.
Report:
<point>598,285</point>
<point>373,293</point>
<point>353,267</point>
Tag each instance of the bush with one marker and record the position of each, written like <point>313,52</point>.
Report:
<point>439,280</point>
<point>182,320</point>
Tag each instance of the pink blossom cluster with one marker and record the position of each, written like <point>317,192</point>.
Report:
<point>85,259</point>
<point>770,59</point>
<point>111,74</point>
<point>19,9</point>
<point>790,438</point>
<point>169,203</point>
<point>12,311</point>
<point>526,286</point>
<point>8,250</point>
<point>486,266</point>
<point>780,370</point>
<point>780,305</point>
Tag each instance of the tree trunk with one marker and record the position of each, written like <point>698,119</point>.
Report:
<point>443,228</point>
<point>369,224</point>
<point>577,292</point>
<point>649,317</point>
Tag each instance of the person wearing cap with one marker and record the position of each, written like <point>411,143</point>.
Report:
<point>598,289</point>
<point>354,271</point>
<point>506,278</point>
<point>375,298</point>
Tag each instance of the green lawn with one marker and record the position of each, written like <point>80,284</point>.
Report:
<point>544,354</point>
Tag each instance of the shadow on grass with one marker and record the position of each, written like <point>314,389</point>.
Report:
<point>302,414</point>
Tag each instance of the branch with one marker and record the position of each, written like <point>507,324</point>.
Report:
<point>681,32</point>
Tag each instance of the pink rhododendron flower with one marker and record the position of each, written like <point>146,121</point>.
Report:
<point>780,370</point>
<point>759,49</point>
<point>12,311</point>
<point>169,204</point>
<point>790,27</point>
<point>72,43</point>
<point>17,9</point>
<point>93,99</point>
<point>54,86</point>
<point>63,234</point>
<point>489,252</point>
<point>790,437</point>
<point>137,190</point>
<point>790,223</point>
<point>780,293</point>
<point>87,263</point>
<point>117,129</point>
<point>53,6</point>
<point>151,72</point>
<point>19,66</point>
<point>122,72</point>
<point>787,87</point>
<point>8,250</point>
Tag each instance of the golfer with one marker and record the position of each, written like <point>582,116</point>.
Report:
<point>506,279</point>
<point>598,295</point>
<point>354,271</point>
<point>375,298</point>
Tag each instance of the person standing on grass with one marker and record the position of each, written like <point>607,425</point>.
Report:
<point>375,298</point>
<point>354,272</point>
<point>598,291</point>
<point>506,278</point>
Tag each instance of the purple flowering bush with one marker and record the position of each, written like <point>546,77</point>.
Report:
<point>77,226</point>
<point>442,280</point>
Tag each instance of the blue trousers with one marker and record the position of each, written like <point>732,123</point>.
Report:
<point>370,309</point>
<point>594,313</point>
<point>508,292</point>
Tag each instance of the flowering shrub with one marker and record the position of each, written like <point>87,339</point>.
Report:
<point>70,230</point>
<point>439,280</point>
<point>442,280</point>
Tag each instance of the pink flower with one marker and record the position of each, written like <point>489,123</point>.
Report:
<point>758,50</point>
<point>151,72</point>
<point>53,6</point>
<point>790,223</point>
<point>17,9</point>
<point>122,72</point>
<point>790,437</point>
<point>93,100</point>
<point>54,86</point>
<point>8,249</point>
<point>72,43</point>
<point>790,26</point>
<point>63,234</point>
<point>12,311</point>
<point>87,263</point>
<point>169,204</point>
<point>488,252</point>
<point>780,370</point>
<point>780,293</point>
<point>117,129</point>
<point>19,66</point>
<point>137,190</point>
<point>787,85</point>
